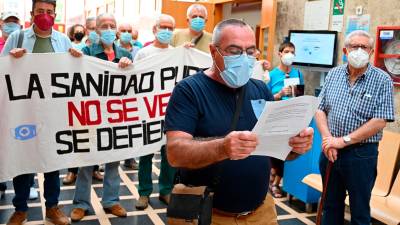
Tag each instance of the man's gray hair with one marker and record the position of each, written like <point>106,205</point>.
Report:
<point>347,40</point>
<point>104,15</point>
<point>216,37</point>
<point>164,16</point>
<point>198,7</point>
<point>90,19</point>
<point>123,22</point>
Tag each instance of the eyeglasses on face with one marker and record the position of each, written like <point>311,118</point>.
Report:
<point>238,51</point>
<point>357,46</point>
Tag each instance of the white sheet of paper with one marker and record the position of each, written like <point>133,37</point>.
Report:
<point>259,73</point>
<point>316,15</point>
<point>281,120</point>
<point>291,81</point>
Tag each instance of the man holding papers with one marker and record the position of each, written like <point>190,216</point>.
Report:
<point>200,140</point>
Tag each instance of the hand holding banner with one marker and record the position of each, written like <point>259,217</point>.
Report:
<point>60,111</point>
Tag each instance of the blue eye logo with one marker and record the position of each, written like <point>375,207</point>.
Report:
<point>25,132</point>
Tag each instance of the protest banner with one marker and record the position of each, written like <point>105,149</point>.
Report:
<point>60,112</point>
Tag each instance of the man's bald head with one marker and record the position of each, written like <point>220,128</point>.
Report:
<point>231,37</point>
<point>164,21</point>
<point>105,18</point>
<point>219,29</point>
<point>165,18</point>
<point>125,27</point>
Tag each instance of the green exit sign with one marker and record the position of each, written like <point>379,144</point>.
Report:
<point>338,7</point>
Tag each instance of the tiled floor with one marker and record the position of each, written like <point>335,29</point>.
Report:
<point>292,213</point>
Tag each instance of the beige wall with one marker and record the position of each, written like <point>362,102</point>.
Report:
<point>251,16</point>
<point>290,15</point>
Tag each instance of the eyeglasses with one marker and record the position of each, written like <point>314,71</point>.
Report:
<point>44,11</point>
<point>163,27</point>
<point>237,51</point>
<point>123,31</point>
<point>289,51</point>
<point>195,16</point>
<point>107,26</point>
<point>356,46</point>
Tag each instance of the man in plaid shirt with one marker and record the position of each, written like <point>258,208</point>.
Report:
<point>356,103</point>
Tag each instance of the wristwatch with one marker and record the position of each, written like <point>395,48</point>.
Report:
<point>347,139</point>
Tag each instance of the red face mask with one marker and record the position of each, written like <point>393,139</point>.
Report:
<point>44,21</point>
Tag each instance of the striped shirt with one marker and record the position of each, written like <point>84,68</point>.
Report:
<point>348,107</point>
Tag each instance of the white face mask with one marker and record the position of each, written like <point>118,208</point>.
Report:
<point>287,59</point>
<point>358,58</point>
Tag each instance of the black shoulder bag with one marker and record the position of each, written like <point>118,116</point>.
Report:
<point>192,205</point>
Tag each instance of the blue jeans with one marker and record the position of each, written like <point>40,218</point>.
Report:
<point>111,185</point>
<point>23,183</point>
<point>354,171</point>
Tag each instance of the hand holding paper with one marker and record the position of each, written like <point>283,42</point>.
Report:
<point>239,144</point>
<point>280,127</point>
<point>303,141</point>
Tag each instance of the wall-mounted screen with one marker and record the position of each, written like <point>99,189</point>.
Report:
<point>314,48</point>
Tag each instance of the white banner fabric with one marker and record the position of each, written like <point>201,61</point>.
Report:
<point>61,112</point>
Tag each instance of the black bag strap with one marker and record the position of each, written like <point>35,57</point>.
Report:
<point>239,104</point>
<point>20,39</point>
<point>235,120</point>
<point>196,40</point>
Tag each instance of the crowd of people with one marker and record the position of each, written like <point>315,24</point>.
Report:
<point>202,145</point>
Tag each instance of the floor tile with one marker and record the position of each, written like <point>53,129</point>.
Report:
<point>135,177</point>
<point>123,191</point>
<point>87,222</point>
<point>290,222</point>
<point>157,204</point>
<point>66,195</point>
<point>132,220</point>
<point>7,200</point>
<point>35,213</point>
<point>129,204</point>
<point>5,214</point>
<point>163,217</point>
<point>280,211</point>
<point>295,204</point>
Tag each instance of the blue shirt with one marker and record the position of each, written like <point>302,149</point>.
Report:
<point>349,107</point>
<point>97,51</point>
<point>59,41</point>
<point>134,49</point>
<point>204,107</point>
<point>79,46</point>
<point>277,76</point>
<point>138,44</point>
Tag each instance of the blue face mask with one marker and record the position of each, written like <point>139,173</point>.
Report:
<point>126,37</point>
<point>164,36</point>
<point>197,24</point>
<point>108,37</point>
<point>11,27</point>
<point>238,69</point>
<point>93,37</point>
